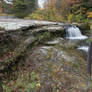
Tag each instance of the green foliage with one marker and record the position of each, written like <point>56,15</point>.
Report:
<point>19,9</point>
<point>2,29</point>
<point>71,18</point>
<point>6,8</point>
<point>22,8</point>
<point>89,40</point>
<point>46,14</point>
<point>43,36</point>
<point>91,24</point>
<point>52,15</point>
<point>77,18</point>
<point>80,17</point>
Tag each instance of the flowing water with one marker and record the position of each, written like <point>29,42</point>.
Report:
<point>74,32</point>
<point>84,48</point>
<point>41,3</point>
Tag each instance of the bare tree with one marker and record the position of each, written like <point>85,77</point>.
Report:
<point>1,88</point>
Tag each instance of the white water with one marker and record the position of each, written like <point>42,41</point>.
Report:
<point>9,1</point>
<point>74,32</point>
<point>41,3</point>
<point>84,48</point>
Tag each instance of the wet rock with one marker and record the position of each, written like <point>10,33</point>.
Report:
<point>55,41</point>
<point>53,54</point>
<point>52,29</point>
<point>56,64</point>
<point>29,40</point>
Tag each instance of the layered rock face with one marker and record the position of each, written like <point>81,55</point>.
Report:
<point>16,35</point>
<point>19,33</point>
<point>40,47</point>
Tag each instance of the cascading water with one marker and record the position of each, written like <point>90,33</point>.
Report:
<point>84,48</point>
<point>41,3</point>
<point>74,32</point>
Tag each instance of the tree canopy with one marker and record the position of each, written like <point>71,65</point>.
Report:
<point>23,7</point>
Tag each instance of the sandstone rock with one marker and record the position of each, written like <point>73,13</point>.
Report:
<point>16,24</point>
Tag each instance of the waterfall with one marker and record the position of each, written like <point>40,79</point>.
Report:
<point>9,1</point>
<point>74,32</point>
<point>41,3</point>
<point>84,48</point>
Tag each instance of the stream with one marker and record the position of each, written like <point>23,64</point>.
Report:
<point>74,33</point>
<point>55,52</point>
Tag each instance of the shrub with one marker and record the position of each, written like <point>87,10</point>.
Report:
<point>47,14</point>
<point>22,8</point>
<point>71,18</point>
<point>80,18</point>
<point>19,9</point>
<point>2,29</point>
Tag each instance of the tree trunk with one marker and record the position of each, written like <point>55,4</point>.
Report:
<point>89,59</point>
<point>1,88</point>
